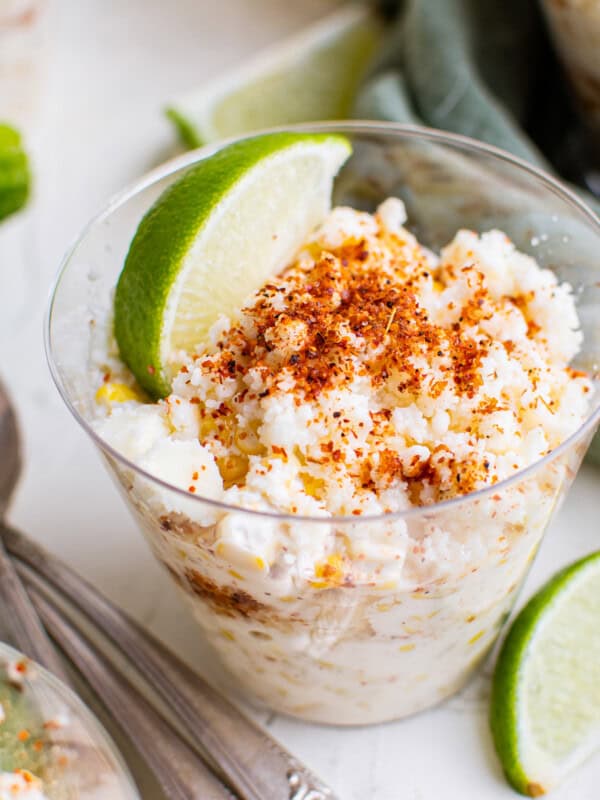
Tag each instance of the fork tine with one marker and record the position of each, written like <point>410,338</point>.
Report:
<point>177,768</point>
<point>254,764</point>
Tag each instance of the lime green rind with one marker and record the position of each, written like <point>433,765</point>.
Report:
<point>186,129</point>
<point>162,240</point>
<point>15,176</point>
<point>506,684</point>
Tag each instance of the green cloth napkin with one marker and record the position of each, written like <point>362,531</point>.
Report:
<point>482,68</point>
<point>467,66</point>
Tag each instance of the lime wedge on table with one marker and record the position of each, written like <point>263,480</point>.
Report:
<point>545,710</point>
<point>14,172</point>
<point>213,237</point>
<point>311,76</point>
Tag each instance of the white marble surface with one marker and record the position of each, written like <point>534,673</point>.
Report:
<point>107,69</point>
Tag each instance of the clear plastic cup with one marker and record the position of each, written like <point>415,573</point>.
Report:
<point>385,637</point>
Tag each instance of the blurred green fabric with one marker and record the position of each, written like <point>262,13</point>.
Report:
<point>485,69</point>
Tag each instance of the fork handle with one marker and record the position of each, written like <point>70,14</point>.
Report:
<point>177,768</point>
<point>25,630</point>
<point>255,765</point>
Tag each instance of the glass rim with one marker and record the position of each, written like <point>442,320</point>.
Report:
<point>415,132</point>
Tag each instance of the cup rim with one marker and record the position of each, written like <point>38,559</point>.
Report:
<point>415,132</point>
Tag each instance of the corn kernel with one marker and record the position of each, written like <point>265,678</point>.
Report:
<point>207,426</point>
<point>233,469</point>
<point>477,636</point>
<point>312,486</point>
<point>406,648</point>
<point>110,393</point>
<point>386,586</point>
<point>248,442</point>
<point>300,456</point>
<point>330,572</point>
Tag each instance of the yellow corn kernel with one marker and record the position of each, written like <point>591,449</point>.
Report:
<point>300,456</point>
<point>477,636</point>
<point>248,442</point>
<point>208,425</point>
<point>291,679</point>
<point>236,575</point>
<point>406,648</point>
<point>330,572</point>
<point>260,562</point>
<point>233,469</point>
<point>110,393</point>
<point>386,586</point>
<point>312,486</point>
<point>227,634</point>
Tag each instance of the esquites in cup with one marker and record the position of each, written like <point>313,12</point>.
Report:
<point>348,468</point>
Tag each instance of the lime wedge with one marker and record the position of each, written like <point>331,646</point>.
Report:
<point>14,172</point>
<point>212,238</point>
<point>545,708</point>
<point>311,76</point>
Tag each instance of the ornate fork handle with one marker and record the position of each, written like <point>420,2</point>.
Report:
<point>304,786</point>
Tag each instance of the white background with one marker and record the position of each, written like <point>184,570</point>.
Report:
<point>105,69</point>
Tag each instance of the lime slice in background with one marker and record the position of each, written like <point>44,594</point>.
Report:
<point>545,708</point>
<point>14,172</point>
<point>311,76</point>
<point>212,238</point>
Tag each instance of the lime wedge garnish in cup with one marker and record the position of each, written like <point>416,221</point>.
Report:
<point>14,172</point>
<point>545,708</point>
<point>212,238</point>
<point>313,75</point>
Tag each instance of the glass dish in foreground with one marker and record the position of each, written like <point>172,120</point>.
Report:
<point>51,746</point>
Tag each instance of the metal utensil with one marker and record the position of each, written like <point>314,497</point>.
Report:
<point>255,765</point>
<point>181,774</point>
<point>176,764</point>
<point>23,624</point>
<point>25,631</point>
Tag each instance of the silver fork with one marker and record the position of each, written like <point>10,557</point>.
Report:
<point>252,762</point>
